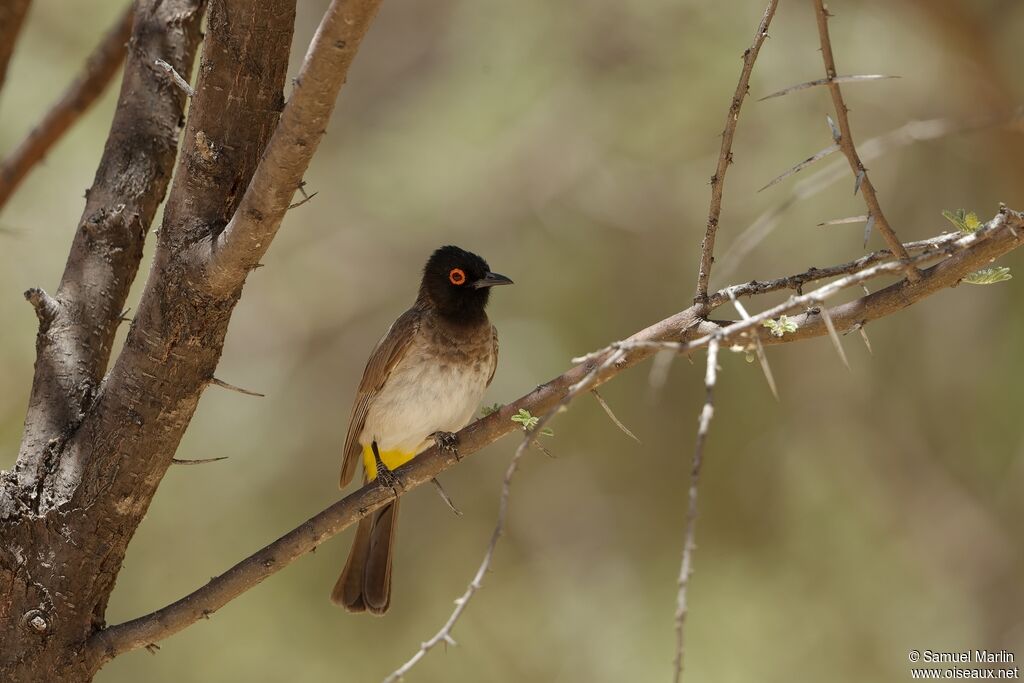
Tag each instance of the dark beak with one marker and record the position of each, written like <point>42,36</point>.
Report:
<point>491,280</point>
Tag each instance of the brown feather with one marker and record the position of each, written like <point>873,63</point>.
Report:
<point>365,582</point>
<point>389,350</point>
<point>494,356</point>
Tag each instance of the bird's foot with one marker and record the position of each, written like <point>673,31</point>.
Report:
<point>447,442</point>
<point>385,475</point>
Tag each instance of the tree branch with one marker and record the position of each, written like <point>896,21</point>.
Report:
<point>102,471</point>
<point>303,123</point>
<point>236,106</point>
<point>689,539</point>
<point>684,332</point>
<point>130,184</point>
<point>12,17</point>
<point>707,246</point>
<point>99,70</point>
<point>906,134</point>
<point>846,144</point>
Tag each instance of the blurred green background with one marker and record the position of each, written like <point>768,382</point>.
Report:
<point>864,514</point>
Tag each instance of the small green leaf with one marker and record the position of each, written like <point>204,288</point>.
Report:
<point>781,326</point>
<point>524,418</point>
<point>988,276</point>
<point>490,410</point>
<point>964,221</point>
<point>529,422</point>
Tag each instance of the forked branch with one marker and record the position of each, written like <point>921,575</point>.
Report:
<point>684,332</point>
<point>303,123</point>
<point>849,149</point>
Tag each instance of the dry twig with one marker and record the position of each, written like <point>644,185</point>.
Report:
<point>689,540</point>
<point>175,77</point>
<point>707,246</point>
<point>845,141</point>
<point>99,70</point>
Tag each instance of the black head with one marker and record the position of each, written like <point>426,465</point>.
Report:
<point>458,283</point>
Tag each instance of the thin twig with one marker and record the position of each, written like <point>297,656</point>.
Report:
<point>707,247</point>
<point>47,308</point>
<point>99,70</point>
<point>689,541</point>
<point>182,84</point>
<point>907,134</point>
<point>929,248</point>
<point>964,253</point>
<point>12,19</point>
<point>849,148</point>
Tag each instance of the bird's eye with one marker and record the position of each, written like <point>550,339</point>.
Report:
<point>456,276</point>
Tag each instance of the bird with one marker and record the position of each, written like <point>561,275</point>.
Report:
<point>422,383</point>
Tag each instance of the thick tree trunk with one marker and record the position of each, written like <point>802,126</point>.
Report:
<point>58,560</point>
<point>94,451</point>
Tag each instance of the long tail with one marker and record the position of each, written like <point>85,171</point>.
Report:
<point>365,582</point>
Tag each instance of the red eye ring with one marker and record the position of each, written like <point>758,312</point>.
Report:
<point>457,276</point>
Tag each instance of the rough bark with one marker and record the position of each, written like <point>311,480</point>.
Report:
<point>93,455</point>
<point>75,338</point>
<point>90,468</point>
<point>57,561</point>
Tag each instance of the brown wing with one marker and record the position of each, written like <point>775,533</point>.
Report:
<point>389,350</point>
<point>494,355</point>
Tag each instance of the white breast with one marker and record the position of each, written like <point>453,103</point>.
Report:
<point>421,397</point>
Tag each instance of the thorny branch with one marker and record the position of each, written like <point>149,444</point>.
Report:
<point>908,133</point>
<point>689,540</point>
<point>846,144</point>
<point>220,249</point>
<point>683,332</point>
<point>707,247</point>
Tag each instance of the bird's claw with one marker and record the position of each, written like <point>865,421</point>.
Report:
<point>385,475</point>
<point>447,442</point>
